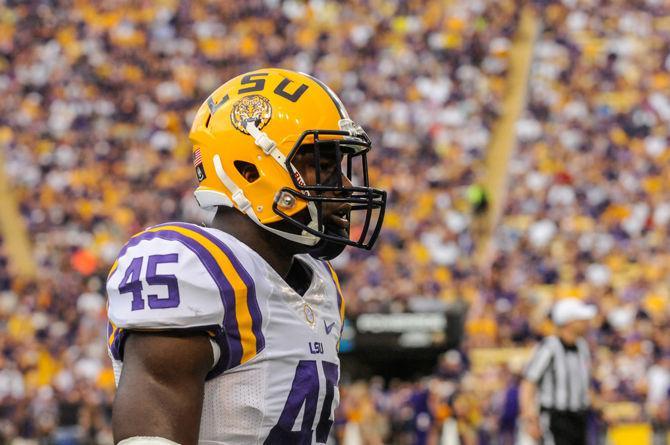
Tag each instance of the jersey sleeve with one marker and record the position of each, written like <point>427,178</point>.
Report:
<point>164,279</point>
<point>182,276</point>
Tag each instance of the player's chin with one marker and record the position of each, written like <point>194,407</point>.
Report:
<point>327,250</point>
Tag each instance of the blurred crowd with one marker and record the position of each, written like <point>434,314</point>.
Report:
<point>588,211</point>
<point>97,102</point>
<point>458,403</point>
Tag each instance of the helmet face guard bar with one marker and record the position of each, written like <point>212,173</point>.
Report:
<point>329,189</point>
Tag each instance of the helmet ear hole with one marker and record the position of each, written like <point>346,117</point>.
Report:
<point>247,170</point>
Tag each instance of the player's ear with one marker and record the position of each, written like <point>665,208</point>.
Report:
<point>247,170</point>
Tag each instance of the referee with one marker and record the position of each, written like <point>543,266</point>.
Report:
<point>554,394</point>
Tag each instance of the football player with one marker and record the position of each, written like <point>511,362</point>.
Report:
<point>228,334</point>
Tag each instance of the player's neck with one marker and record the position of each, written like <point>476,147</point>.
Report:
<point>277,251</point>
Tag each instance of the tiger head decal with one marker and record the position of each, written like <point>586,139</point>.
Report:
<point>254,108</point>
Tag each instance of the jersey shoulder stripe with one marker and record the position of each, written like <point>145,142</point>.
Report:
<point>242,317</point>
<point>224,287</point>
<point>340,299</point>
<point>246,310</point>
<point>115,340</point>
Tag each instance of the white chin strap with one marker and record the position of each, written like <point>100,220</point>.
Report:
<point>245,207</point>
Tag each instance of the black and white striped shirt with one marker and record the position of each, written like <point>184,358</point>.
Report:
<point>561,373</point>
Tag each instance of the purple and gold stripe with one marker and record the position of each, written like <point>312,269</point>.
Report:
<point>249,316</point>
<point>115,337</point>
<point>340,299</point>
<point>123,251</point>
<point>242,321</point>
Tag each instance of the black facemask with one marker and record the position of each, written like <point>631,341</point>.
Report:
<point>365,205</point>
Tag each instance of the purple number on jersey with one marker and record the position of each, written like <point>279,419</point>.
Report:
<point>331,372</point>
<point>131,282</point>
<point>168,280</point>
<point>305,390</point>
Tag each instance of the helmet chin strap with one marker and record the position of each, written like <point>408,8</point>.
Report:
<point>245,207</point>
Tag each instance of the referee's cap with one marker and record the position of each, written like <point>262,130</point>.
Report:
<point>572,309</point>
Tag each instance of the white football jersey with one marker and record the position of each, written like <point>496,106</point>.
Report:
<point>276,379</point>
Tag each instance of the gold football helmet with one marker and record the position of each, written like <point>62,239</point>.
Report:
<point>266,118</point>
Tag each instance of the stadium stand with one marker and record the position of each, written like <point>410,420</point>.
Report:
<point>100,102</point>
<point>588,213</point>
<point>5,275</point>
<point>96,106</point>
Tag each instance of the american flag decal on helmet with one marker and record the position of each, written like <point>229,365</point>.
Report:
<point>197,157</point>
<point>197,162</point>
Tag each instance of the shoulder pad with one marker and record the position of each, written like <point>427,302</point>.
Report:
<point>178,275</point>
<point>181,276</point>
